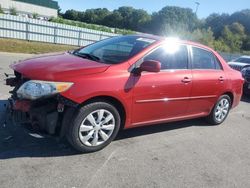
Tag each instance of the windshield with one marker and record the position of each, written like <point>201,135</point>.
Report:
<point>114,50</point>
<point>243,60</point>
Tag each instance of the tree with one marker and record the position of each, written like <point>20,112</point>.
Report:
<point>35,15</point>
<point>246,44</point>
<point>100,14</point>
<point>233,35</point>
<point>217,22</point>
<point>173,17</point>
<point>224,32</point>
<point>204,36</point>
<point>71,15</point>
<point>139,19</point>
<point>1,10</point>
<point>237,28</point>
<point>114,20</point>
<point>90,16</point>
<point>126,14</point>
<point>242,17</point>
<point>13,11</point>
<point>221,46</point>
<point>80,16</point>
<point>59,11</point>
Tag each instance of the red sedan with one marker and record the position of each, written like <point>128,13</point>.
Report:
<point>89,94</point>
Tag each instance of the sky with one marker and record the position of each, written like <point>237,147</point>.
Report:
<point>206,6</point>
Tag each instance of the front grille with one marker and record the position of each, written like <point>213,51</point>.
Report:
<point>237,67</point>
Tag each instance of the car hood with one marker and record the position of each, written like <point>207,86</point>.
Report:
<point>57,67</point>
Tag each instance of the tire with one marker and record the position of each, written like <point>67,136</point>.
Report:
<point>213,117</point>
<point>94,127</point>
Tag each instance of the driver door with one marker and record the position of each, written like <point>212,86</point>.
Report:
<point>164,95</point>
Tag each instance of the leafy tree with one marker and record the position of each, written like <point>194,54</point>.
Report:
<point>35,15</point>
<point>101,13</point>
<point>95,16</point>
<point>246,44</point>
<point>242,17</point>
<point>80,16</point>
<point>171,16</point>
<point>139,19</point>
<point>123,17</point>
<point>233,35</point>
<point>71,15</point>
<point>204,36</point>
<point>13,11</point>
<point>224,32</point>
<point>237,29</point>
<point>221,46</point>
<point>217,22</point>
<point>90,16</point>
<point>114,20</point>
<point>126,13</point>
<point>1,10</point>
<point>59,11</point>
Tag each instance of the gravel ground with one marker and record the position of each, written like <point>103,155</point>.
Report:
<point>183,154</point>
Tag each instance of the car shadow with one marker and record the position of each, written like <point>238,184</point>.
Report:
<point>17,142</point>
<point>151,129</point>
<point>245,98</point>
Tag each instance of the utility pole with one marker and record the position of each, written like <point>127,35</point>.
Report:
<point>197,7</point>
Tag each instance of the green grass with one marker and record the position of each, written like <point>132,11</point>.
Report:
<point>22,46</point>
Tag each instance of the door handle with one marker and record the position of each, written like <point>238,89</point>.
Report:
<point>221,78</point>
<point>186,80</point>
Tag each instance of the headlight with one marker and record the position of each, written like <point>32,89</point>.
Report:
<point>35,89</point>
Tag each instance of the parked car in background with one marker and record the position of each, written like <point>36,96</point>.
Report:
<point>242,64</point>
<point>123,82</point>
<point>246,75</point>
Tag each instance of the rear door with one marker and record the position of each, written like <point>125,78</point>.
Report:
<point>208,81</point>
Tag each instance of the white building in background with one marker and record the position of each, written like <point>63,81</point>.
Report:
<point>44,8</point>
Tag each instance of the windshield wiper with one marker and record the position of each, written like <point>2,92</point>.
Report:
<point>86,55</point>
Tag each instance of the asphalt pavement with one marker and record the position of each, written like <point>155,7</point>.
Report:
<point>183,154</point>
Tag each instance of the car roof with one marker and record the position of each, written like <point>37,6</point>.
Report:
<point>149,36</point>
<point>161,38</point>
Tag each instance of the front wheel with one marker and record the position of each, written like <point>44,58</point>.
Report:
<point>220,110</point>
<point>94,127</point>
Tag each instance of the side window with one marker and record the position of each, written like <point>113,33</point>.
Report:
<point>203,59</point>
<point>177,59</point>
<point>218,65</point>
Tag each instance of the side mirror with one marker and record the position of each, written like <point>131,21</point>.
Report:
<point>150,66</point>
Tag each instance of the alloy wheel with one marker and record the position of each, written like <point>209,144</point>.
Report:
<point>222,109</point>
<point>97,127</point>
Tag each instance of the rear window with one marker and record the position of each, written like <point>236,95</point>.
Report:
<point>203,59</point>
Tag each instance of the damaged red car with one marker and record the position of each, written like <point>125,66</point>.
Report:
<point>89,94</point>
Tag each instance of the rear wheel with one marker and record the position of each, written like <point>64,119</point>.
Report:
<point>220,110</point>
<point>94,127</point>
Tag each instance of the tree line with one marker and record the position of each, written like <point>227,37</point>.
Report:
<point>224,32</point>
